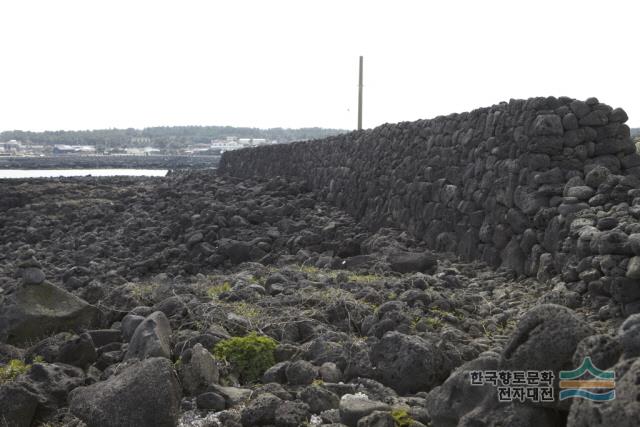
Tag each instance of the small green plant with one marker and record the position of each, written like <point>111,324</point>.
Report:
<point>309,269</point>
<point>255,280</point>
<point>245,309</point>
<point>315,273</point>
<point>318,382</point>
<point>506,327</point>
<point>363,278</point>
<point>250,355</point>
<point>434,322</point>
<point>414,323</point>
<point>38,359</point>
<point>216,290</point>
<point>401,417</point>
<point>12,369</point>
<point>143,291</point>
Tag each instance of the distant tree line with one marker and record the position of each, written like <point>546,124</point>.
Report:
<point>163,137</point>
<point>635,132</point>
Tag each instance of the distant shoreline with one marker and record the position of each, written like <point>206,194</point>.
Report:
<point>117,161</point>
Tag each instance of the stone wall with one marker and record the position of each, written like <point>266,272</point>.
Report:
<point>545,187</point>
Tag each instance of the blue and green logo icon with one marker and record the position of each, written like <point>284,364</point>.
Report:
<point>588,382</point>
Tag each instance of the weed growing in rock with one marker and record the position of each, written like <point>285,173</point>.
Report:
<point>216,290</point>
<point>12,369</point>
<point>143,292</point>
<point>363,278</point>
<point>401,418</point>
<point>434,322</point>
<point>250,355</point>
<point>245,309</point>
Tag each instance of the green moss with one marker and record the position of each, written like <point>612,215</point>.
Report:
<point>309,269</point>
<point>363,278</point>
<point>143,291</point>
<point>216,290</point>
<point>250,355</point>
<point>245,309</point>
<point>401,417</point>
<point>434,322</point>
<point>12,369</point>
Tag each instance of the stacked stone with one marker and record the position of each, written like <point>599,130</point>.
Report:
<point>522,185</point>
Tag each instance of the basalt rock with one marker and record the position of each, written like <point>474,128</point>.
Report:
<point>37,310</point>
<point>146,393</point>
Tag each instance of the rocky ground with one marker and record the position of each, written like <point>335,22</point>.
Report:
<point>119,295</point>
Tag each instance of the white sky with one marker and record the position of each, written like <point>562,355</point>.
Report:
<point>87,64</point>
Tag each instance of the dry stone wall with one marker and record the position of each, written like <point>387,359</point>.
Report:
<point>546,187</point>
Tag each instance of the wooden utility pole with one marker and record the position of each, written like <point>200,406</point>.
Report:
<point>360,97</point>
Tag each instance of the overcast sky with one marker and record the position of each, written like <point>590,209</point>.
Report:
<point>69,64</point>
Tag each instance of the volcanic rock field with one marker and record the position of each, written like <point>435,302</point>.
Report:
<point>361,281</point>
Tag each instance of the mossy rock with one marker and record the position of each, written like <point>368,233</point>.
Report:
<point>36,311</point>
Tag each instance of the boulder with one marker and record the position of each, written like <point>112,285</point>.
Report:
<point>32,276</point>
<point>300,372</point>
<point>408,363</point>
<point>276,373</point>
<point>260,411</point>
<point>623,411</point>
<point>102,337</point>
<point>329,372</point>
<point>52,384</point>
<point>450,401</point>
<point>17,405</point>
<point>319,398</point>
<point>633,268</point>
<point>144,394</point>
<point>604,351</point>
<point>551,327</point>
<point>211,401</point>
<point>151,338</point>
<point>353,408</point>
<point>377,419</point>
<point>197,370</point>
<point>291,414</point>
<point>78,351</point>
<point>629,337</point>
<point>232,395</point>
<point>34,311</point>
<point>49,348</point>
<point>130,323</point>
<point>412,262</point>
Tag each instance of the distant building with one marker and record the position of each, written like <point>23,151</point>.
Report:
<point>141,140</point>
<point>228,144</point>
<point>231,143</point>
<point>74,149</point>
<point>12,147</point>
